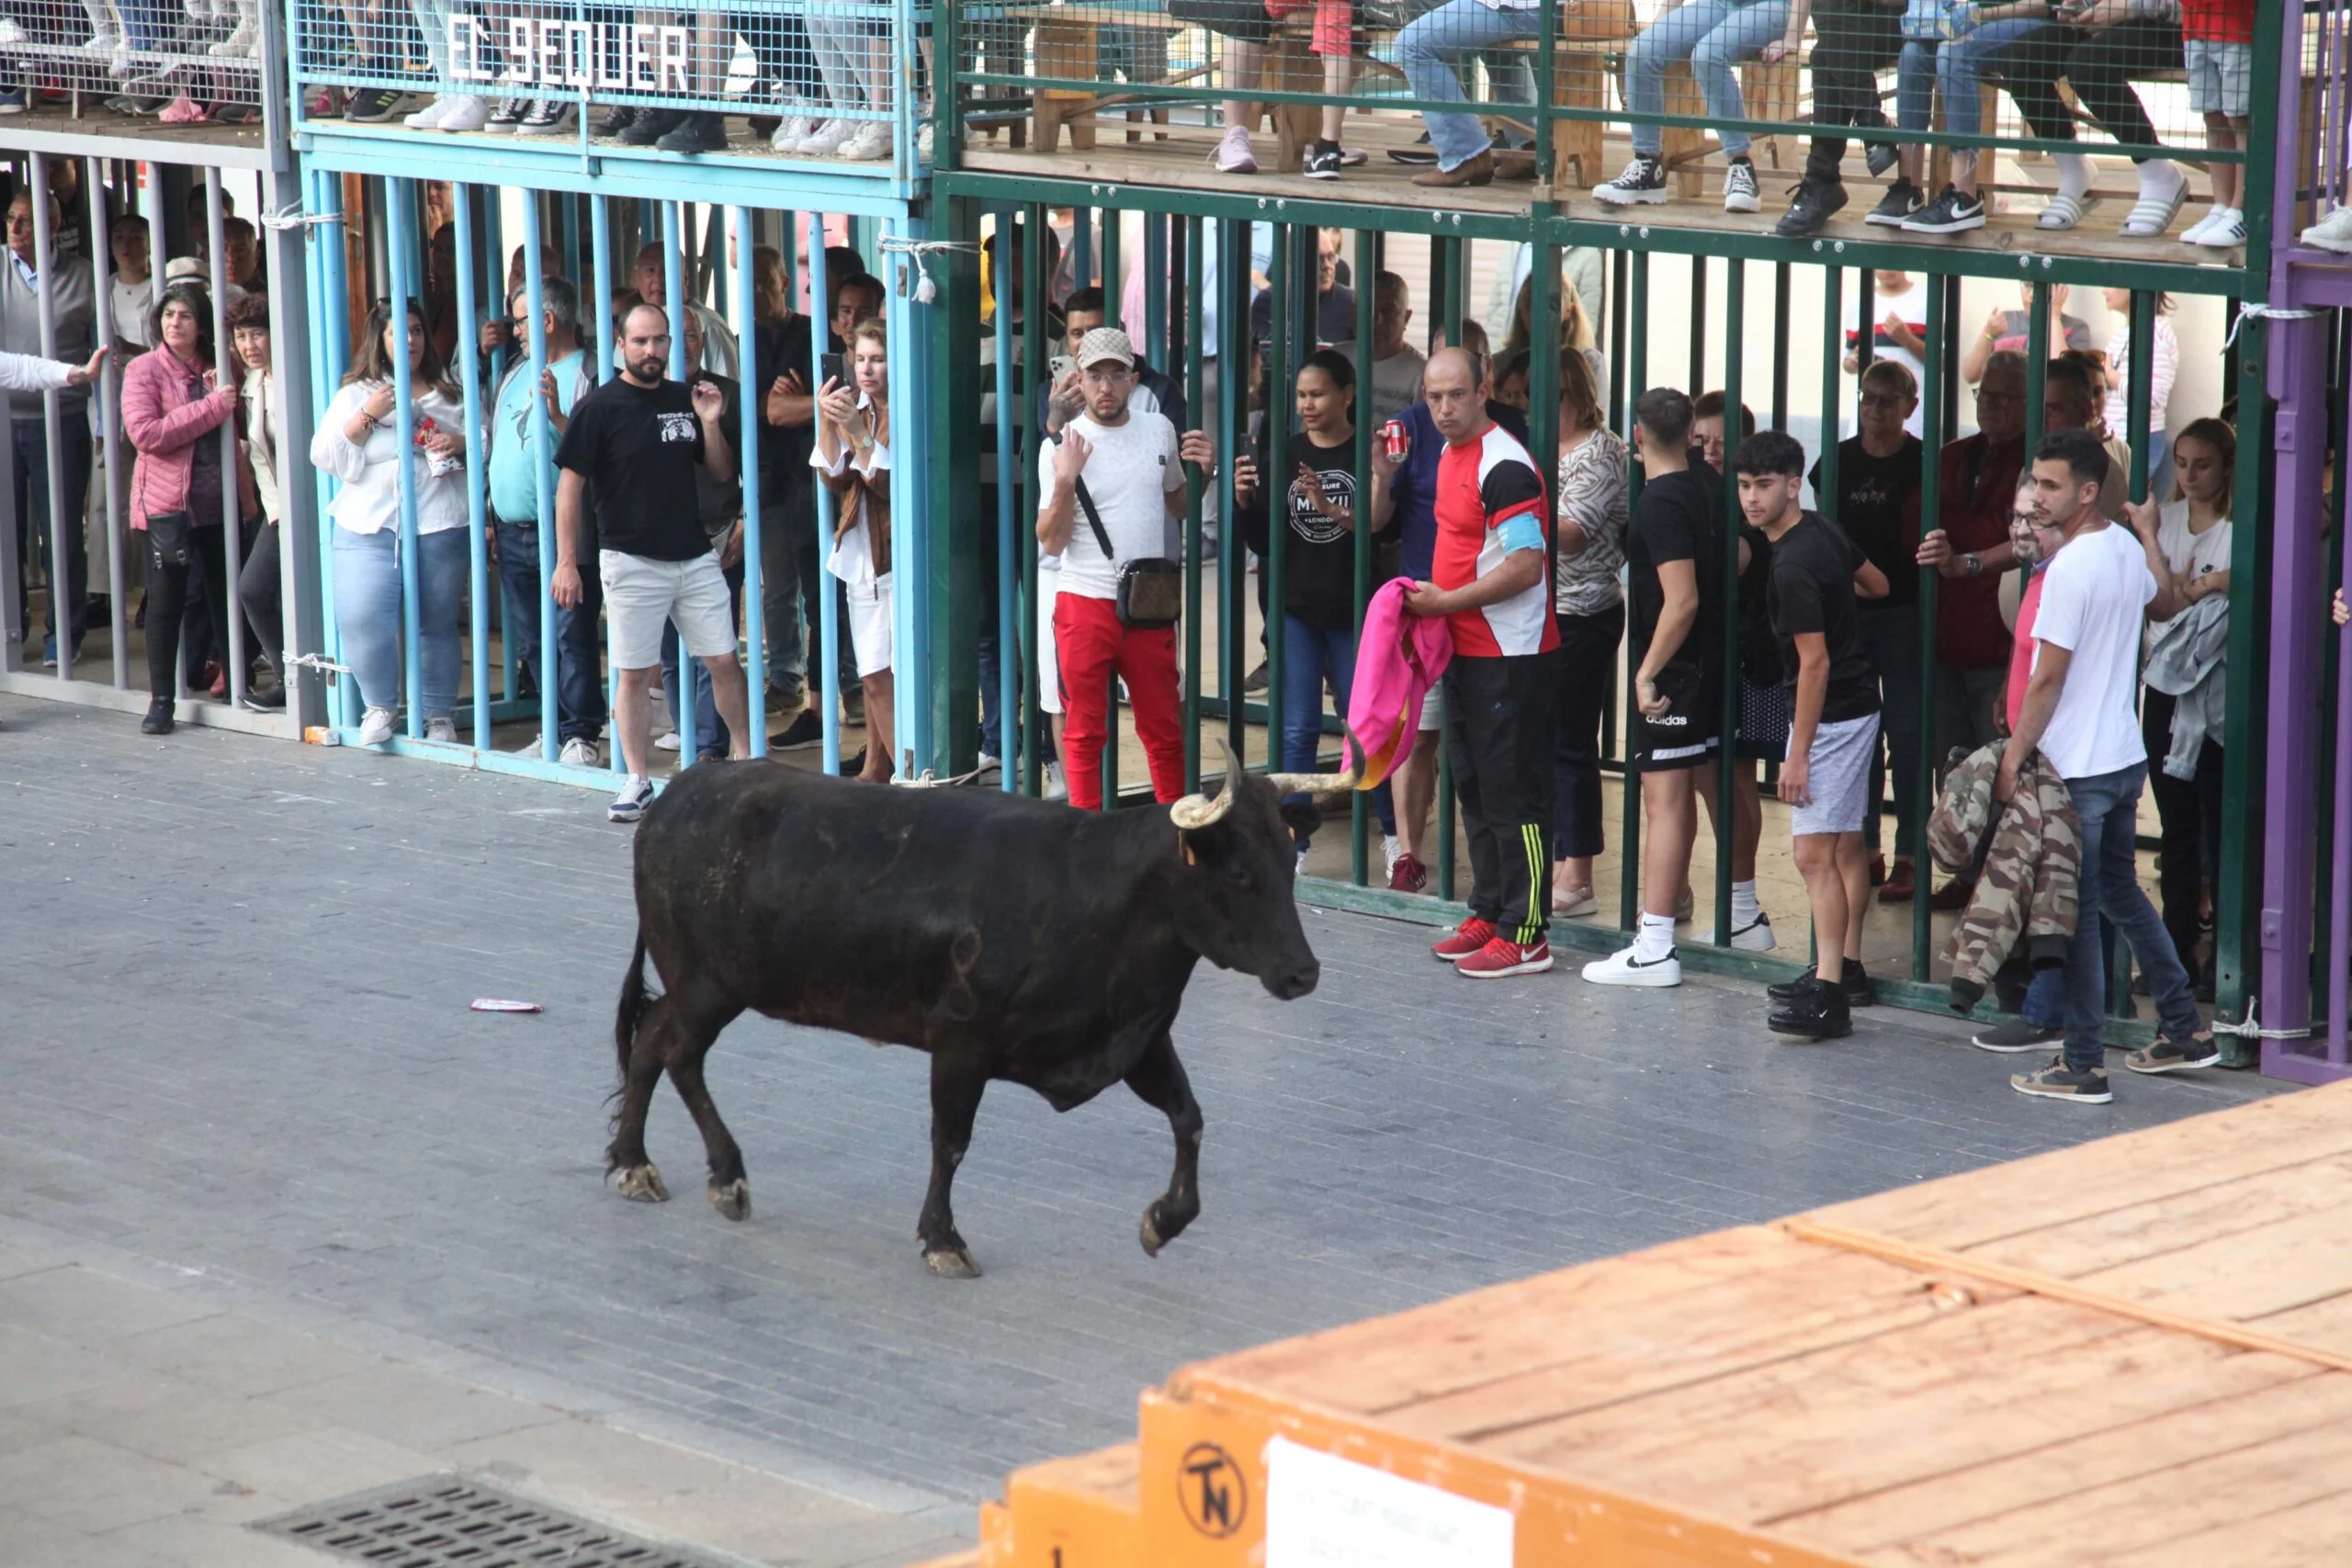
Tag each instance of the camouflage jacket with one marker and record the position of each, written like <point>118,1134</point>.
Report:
<point>2028,856</point>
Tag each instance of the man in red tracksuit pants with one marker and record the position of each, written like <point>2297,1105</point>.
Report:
<point>1130,466</point>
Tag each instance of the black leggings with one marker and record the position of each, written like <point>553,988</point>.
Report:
<point>261,596</point>
<point>2099,66</point>
<point>1588,655</point>
<point>167,603</point>
<point>2189,811</point>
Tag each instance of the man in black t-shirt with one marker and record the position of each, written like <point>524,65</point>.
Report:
<point>1877,506</point>
<point>635,443</point>
<point>1833,728</point>
<point>1674,616</point>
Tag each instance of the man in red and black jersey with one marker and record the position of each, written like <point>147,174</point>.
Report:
<point>1490,579</point>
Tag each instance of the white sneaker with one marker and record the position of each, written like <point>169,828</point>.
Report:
<point>2222,231</point>
<point>827,138</point>
<point>445,730</point>
<point>2333,233</point>
<point>1056,787</point>
<point>1754,937</point>
<point>1302,860</point>
<point>376,727</point>
<point>578,753</point>
<point>636,793</point>
<point>670,742</point>
<point>792,133</point>
<point>469,113</point>
<point>1234,155</point>
<point>871,144</point>
<point>1391,848</point>
<point>429,117</point>
<point>239,44</point>
<point>1739,187</point>
<point>2188,235</point>
<point>1624,969</point>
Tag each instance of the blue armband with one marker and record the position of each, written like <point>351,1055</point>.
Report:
<point>1521,532</point>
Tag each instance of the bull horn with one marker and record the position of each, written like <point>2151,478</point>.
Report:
<point>1198,810</point>
<point>1324,783</point>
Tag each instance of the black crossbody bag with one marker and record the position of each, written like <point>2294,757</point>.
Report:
<point>167,537</point>
<point>1151,591</point>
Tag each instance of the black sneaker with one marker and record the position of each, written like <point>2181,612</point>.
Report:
<point>1420,157</point>
<point>1880,156</point>
<point>1954,212</point>
<point>159,717</point>
<point>2056,1081</point>
<point>372,106</point>
<point>1323,159</point>
<point>1256,680</point>
<point>650,126</point>
<point>698,132</point>
<point>618,119</point>
<point>1902,199</point>
<point>547,117</point>
<point>270,700</point>
<point>1816,1012</point>
<point>2016,1037</point>
<point>2167,1054</point>
<point>802,733</point>
<point>1815,205</point>
<point>1855,981</point>
<point>507,115</point>
<point>1643,184</point>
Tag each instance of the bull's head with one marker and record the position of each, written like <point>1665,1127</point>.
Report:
<point>1236,909</point>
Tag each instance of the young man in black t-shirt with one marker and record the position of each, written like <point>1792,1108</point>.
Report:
<point>1676,613</point>
<point>1834,726</point>
<point>633,445</point>
<point>1877,506</point>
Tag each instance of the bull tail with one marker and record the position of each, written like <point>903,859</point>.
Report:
<point>634,1003</point>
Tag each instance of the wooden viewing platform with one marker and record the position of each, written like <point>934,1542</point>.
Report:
<point>2135,1352</point>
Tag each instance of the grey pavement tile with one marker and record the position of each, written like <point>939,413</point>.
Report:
<point>70,1303</point>
<point>311,1467</point>
<point>413,1408</point>
<point>35,1367</point>
<point>371,1152</point>
<point>165,1418</point>
<point>92,1487</point>
<point>37,1542</point>
<point>188,1541</point>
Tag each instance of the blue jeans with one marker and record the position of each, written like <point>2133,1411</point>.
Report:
<point>1309,655</point>
<point>519,577</point>
<point>579,664</point>
<point>1426,52</point>
<point>710,735</point>
<point>1711,35</point>
<point>368,613</point>
<point>2109,807</point>
<point>1956,70</point>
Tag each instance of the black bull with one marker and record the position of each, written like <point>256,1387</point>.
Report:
<point>1010,938</point>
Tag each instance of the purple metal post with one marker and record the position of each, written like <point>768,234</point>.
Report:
<point>2296,347</point>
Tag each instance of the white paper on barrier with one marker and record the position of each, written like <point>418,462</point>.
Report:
<point>1326,1512</point>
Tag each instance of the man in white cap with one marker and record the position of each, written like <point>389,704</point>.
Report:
<point>1115,477</point>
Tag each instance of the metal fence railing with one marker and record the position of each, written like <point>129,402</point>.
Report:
<point>841,80</point>
<point>2044,116</point>
<point>188,64</point>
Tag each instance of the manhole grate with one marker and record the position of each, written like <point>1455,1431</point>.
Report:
<point>442,1521</point>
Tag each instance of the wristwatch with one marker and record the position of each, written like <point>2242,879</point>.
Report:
<point>1972,563</point>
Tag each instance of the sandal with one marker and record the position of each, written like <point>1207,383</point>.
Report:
<point>2065,211</point>
<point>2152,215</point>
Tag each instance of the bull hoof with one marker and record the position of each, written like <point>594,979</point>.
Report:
<point>955,1263</point>
<point>1153,1240</point>
<point>732,1200</point>
<point>642,1184</point>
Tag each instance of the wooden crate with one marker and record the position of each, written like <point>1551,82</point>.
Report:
<point>2137,1352</point>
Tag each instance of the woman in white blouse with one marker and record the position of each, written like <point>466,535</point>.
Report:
<point>259,589</point>
<point>853,460</point>
<point>358,443</point>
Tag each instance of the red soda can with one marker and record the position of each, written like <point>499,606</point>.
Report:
<point>1395,440</point>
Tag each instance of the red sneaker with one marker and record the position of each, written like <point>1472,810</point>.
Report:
<point>1471,936</point>
<point>1410,876</point>
<point>1503,956</point>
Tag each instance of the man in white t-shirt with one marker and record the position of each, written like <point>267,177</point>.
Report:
<point>1130,466</point>
<point>2081,710</point>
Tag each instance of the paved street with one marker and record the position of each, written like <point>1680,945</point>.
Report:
<point>243,1080</point>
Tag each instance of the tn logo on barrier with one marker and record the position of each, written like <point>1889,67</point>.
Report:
<point>1214,1496</point>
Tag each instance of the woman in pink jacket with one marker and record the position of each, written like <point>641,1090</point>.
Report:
<point>174,402</point>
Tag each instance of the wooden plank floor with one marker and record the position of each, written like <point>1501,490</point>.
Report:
<point>1842,1388</point>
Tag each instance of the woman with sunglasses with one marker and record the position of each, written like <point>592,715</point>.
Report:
<point>358,443</point>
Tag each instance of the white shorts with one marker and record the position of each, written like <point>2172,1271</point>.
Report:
<point>870,624</point>
<point>641,594</point>
<point>2221,76</point>
<point>1431,720</point>
<point>1839,778</point>
<point>1049,668</point>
